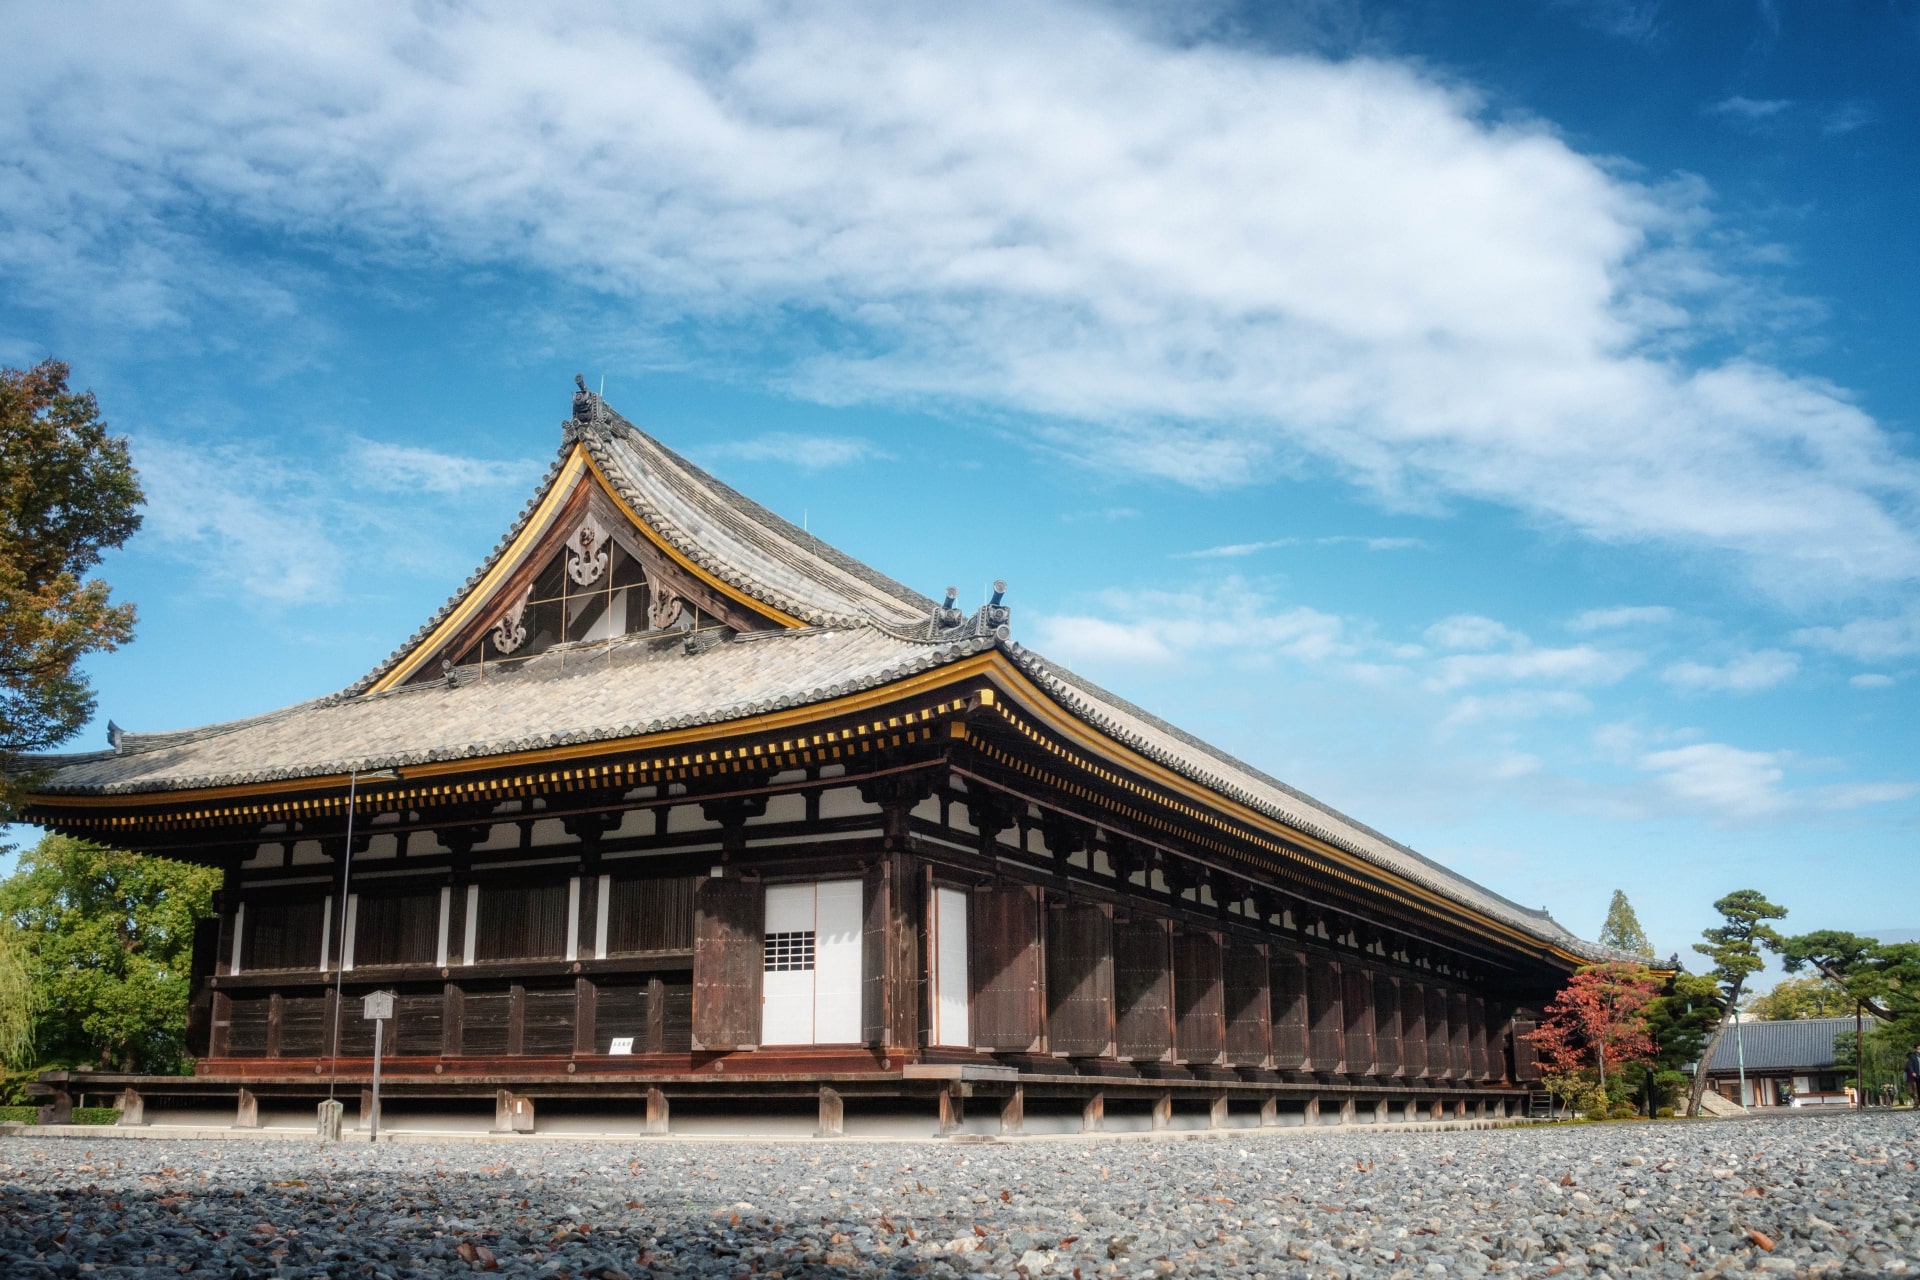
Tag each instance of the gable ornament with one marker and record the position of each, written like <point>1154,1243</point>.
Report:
<point>511,631</point>
<point>587,552</point>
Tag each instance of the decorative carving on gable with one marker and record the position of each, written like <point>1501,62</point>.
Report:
<point>511,631</point>
<point>664,608</point>
<point>587,551</point>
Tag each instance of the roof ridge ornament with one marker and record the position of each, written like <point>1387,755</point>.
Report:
<point>589,412</point>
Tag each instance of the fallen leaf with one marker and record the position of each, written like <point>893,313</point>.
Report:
<point>1006,1197</point>
<point>466,1251</point>
<point>1566,1180</point>
<point>980,1231</point>
<point>1760,1238</point>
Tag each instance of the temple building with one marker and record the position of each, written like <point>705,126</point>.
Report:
<point>674,807</point>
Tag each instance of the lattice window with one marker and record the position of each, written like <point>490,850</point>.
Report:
<point>790,952</point>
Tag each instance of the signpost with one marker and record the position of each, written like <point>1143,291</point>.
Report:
<point>377,1009</point>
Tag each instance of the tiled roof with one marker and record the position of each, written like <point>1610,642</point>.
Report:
<point>579,693</point>
<point>1777,1046</point>
<point>870,631</point>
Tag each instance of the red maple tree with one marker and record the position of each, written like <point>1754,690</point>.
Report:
<point>1599,1019</point>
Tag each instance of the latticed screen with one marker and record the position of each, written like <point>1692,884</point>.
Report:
<point>790,952</point>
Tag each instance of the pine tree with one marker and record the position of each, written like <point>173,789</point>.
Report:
<point>1622,930</point>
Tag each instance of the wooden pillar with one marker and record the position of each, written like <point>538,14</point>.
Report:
<point>833,1114</point>
<point>585,1006</point>
<point>953,1111</point>
<point>1382,1111</point>
<point>1437,1114</point>
<point>1163,1109</point>
<point>657,1115</point>
<point>1093,1113</point>
<point>1217,1111</point>
<point>247,1111</point>
<point>1311,1112</point>
<point>1013,1112</point>
<point>1346,1109</point>
<point>132,1107</point>
<point>276,1022</point>
<point>1269,1111</point>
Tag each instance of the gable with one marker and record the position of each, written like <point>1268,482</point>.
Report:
<point>581,567</point>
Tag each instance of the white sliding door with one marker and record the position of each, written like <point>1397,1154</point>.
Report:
<point>811,988</point>
<point>950,980</point>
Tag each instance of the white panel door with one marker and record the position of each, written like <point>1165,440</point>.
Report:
<point>786,1011</point>
<point>836,974</point>
<point>811,992</point>
<point>950,983</point>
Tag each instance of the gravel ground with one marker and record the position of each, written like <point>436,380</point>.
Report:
<point>1829,1196</point>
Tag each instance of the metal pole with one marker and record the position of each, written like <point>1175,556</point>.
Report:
<point>1859,1053</point>
<point>340,970</point>
<point>373,1120</point>
<point>1740,1051</point>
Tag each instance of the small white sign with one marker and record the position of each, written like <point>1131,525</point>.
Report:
<point>622,1044</point>
<point>378,1006</point>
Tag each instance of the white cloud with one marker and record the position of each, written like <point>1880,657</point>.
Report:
<point>1185,258</point>
<point>1869,639</point>
<point>1235,550</point>
<point>1731,783</point>
<point>1622,616</point>
<point>1578,665</point>
<point>1522,704</point>
<point>1158,626</point>
<point>1471,631</point>
<point>247,527</point>
<point>1746,673</point>
<point>807,452</point>
<point>401,468</point>
<point>1750,110</point>
<point>1872,680</point>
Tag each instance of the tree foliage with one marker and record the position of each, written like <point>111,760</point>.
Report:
<point>1734,947</point>
<point>68,494</point>
<point>1883,977</point>
<point>108,938</point>
<point>1600,1020</point>
<point>1622,929</point>
<point>1814,996</point>
<point>19,1000</point>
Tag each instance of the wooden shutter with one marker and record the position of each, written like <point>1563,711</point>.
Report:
<point>1080,980</point>
<point>648,914</point>
<point>729,917</point>
<point>1199,1003</point>
<point>1324,1015</point>
<point>282,934</point>
<point>1386,1025</point>
<point>1457,1035</point>
<point>1413,1029</point>
<point>1142,989</point>
<point>875,992</point>
<point>1290,1042</point>
<point>1249,1005</point>
<point>1007,969</point>
<point>1439,1052</point>
<point>391,928</point>
<point>1357,1004</point>
<point>1526,1055</point>
<point>1477,1037</point>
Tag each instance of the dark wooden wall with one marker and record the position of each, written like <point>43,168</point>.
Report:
<point>1143,988</point>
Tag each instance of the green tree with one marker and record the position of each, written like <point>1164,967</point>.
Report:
<point>1881,978</point>
<point>108,937</point>
<point>1680,1022</point>
<point>1734,947</point>
<point>18,999</point>
<point>68,494</point>
<point>1814,996</point>
<point>1622,930</point>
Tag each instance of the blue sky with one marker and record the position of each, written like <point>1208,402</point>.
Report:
<point>1497,420</point>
